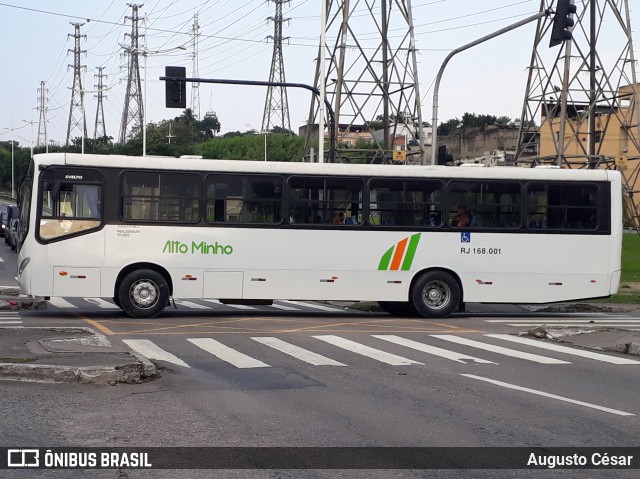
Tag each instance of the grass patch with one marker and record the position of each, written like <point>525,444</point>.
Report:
<point>630,258</point>
<point>631,298</point>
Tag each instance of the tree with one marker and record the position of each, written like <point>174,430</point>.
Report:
<point>448,126</point>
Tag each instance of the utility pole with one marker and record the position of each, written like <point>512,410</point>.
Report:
<point>100,125</point>
<point>42,124</point>
<point>170,135</point>
<point>276,107</point>
<point>132,112</point>
<point>77,118</point>
<point>195,86</point>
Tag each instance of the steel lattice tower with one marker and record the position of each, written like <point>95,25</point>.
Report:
<point>132,112</point>
<point>100,125</point>
<point>276,107</point>
<point>585,99</point>
<point>195,86</point>
<point>578,89</point>
<point>42,123</point>
<point>369,78</point>
<point>77,118</point>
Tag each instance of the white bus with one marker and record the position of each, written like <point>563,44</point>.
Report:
<point>143,230</point>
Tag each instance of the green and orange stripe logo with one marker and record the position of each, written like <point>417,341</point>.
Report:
<point>400,256</point>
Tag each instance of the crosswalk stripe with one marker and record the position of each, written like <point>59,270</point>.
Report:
<point>151,351</point>
<point>499,349</point>
<point>227,354</point>
<point>10,322</point>
<point>563,349</point>
<point>101,303</point>
<point>425,348</point>
<point>367,351</point>
<point>314,306</point>
<point>189,304</point>
<point>60,303</point>
<point>297,352</point>
<point>284,308</point>
<point>236,306</point>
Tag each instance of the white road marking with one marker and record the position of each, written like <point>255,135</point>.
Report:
<point>314,306</point>
<point>190,305</point>
<point>552,396</point>
<point>236,306</point>
<point>227,354</point>
<point>366,351</point>
<point>297,352</point>
<point>425,348</point>
<point>284,308</point>
<point>10,322</point>
<point>499,349</point>
<point>101,303</point>
<point>60,303</point>
<point>563,349</point>
<point>151,351</point>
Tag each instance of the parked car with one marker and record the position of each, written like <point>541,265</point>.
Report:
<point>12,212</point>
<point>13,233</point>
<point>4,225</point>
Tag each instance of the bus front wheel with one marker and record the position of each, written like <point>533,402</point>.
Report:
<point>435,294</point>
<point>143,293</point>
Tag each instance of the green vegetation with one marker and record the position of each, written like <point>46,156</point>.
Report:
<point>631,258</point>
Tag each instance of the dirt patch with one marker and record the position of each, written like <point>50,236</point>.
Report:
<point>629,288</point>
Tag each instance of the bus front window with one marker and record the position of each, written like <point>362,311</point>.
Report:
<point>68,208</point>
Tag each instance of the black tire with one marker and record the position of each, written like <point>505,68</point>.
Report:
<point>117,302</point>
<point>143,293</point>
<point>435,294</point>
<point>402,309</point>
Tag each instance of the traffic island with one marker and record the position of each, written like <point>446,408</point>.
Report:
<point>600,339</point>
<point>68,355</point>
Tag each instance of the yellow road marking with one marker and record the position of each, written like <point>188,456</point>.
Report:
<point>99,326</point>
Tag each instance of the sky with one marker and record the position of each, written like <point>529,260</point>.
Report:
<point>37,37</point>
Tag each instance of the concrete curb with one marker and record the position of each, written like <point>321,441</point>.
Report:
<point>133,373</point>
<point>134,368</point>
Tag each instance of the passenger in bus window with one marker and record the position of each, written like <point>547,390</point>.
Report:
<point>338,218</point>
<point>461,218</point>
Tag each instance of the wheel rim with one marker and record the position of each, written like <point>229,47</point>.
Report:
<point>436,295</point>
<point>144,293</point>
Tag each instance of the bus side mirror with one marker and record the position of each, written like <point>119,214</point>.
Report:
<point>175,90</point>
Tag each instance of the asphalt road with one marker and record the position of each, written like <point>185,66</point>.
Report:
<point>305,376</point>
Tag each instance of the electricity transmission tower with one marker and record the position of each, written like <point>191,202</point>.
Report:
<point>42,123</point>
<point>100,129</point>
<point>77,118</point>
<point>195,86</point>
<point>371,78</point>
<point>584,95</point>
<point>132,112</point>
<point>276,107</point>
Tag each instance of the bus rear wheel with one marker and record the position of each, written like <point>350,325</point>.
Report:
<point>403,309</point>
<point>435,294</point>
<point>143,293</point>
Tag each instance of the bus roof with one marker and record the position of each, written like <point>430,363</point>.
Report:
<point>248,167</point>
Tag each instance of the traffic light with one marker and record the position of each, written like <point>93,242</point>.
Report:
<point>175,90</point>
<point>562,21</point>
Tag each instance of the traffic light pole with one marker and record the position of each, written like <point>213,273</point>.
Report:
<point>332,123</point>
<point>434,120</point>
